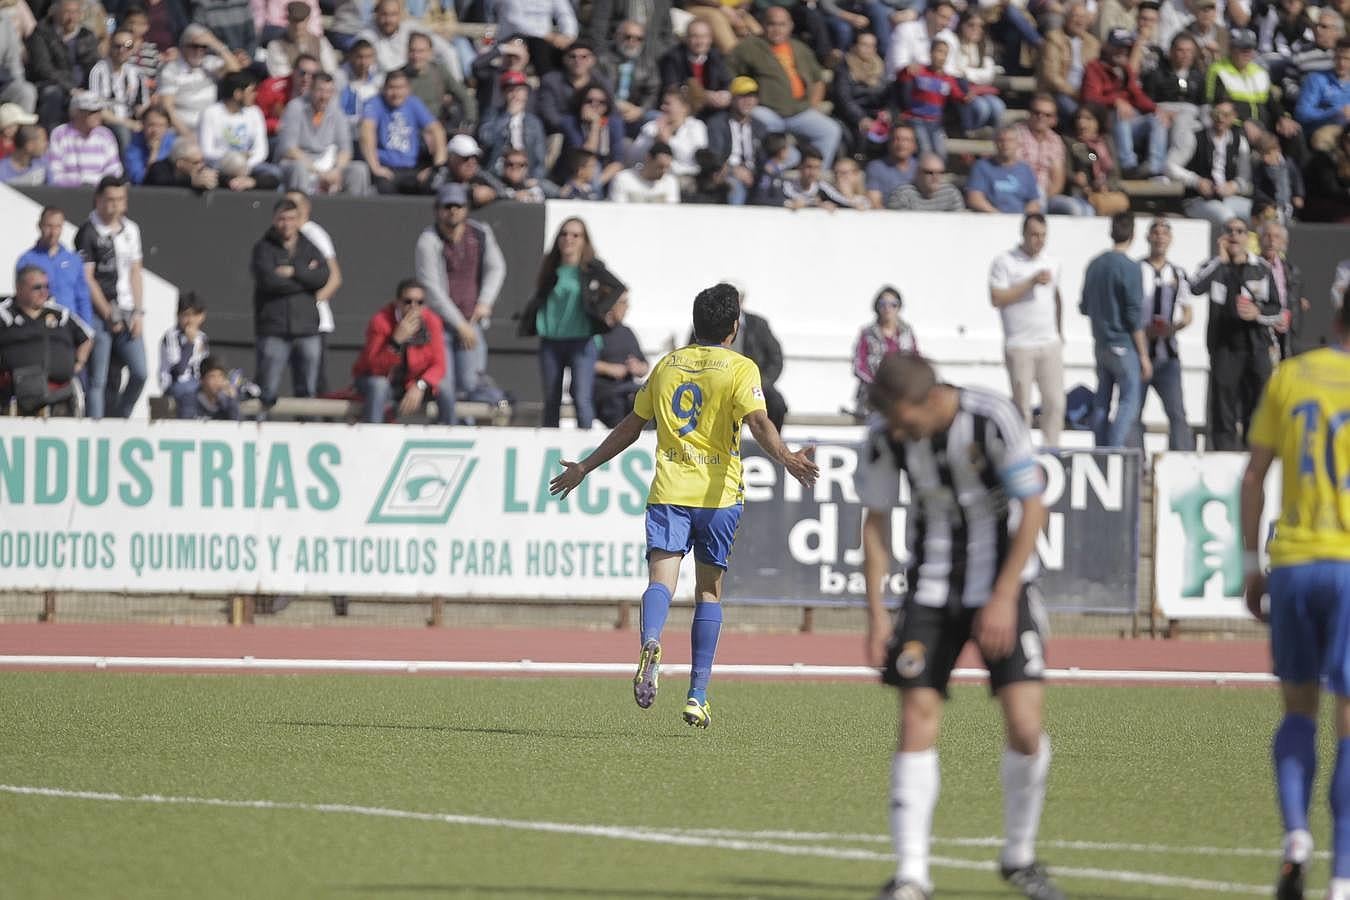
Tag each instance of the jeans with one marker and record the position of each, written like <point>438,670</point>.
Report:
<point>463,369</point>
<point>737,192</point>
<point>932,139</point>
<point>184,394</point>
<point>983,111</point>
<point>296,176</point>
<point>1117,366</point>
<point>129,352</point>
<point>1066,205</point>
<point>1220,212</point>
<point>1167,383</point>
<point>377,392</point>
<point>579,355</point>
<point>303,354</point>
<point>809,125</point>
<point>1129,132</point>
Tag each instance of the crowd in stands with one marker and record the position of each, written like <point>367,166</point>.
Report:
<point>711,101</point>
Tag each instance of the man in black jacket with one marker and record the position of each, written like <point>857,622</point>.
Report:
<point>699,67</point>
<point>61,52</point>
<point>755,340</point>
<point>1244,306</point>
<point>1290,333</point>
<point>287,270</point>
<point>1219,150</point>
<point>737,138</point>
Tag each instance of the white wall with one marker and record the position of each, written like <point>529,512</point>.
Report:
<point>813,274</point>
<point>18,233</point>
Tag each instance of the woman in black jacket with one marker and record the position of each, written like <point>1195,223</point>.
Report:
<point>572,299</point>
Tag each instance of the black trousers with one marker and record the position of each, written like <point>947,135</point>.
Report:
<point>1236,378</point>
<point>775,405</point>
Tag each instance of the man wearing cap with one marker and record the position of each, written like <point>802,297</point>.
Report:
<point>462,268</point>
<point>1242,80</point>
<point>737,137</point>
<point>1112,83</point>
<point>790,86</point>
<point>514,127</point>
<point>462,168</point>
<point>396,127</point>
<point>440,91</point>
<point>699,67</point>
<point>82,151</point>
<point>298,39</point>
<point>314,145</point>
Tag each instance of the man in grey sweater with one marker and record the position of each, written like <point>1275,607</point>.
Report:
<point>314,144</point>
<point>460,264</point>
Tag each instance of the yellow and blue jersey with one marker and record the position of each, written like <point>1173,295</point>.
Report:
<point>698,396</point>
<point>1303,416</point>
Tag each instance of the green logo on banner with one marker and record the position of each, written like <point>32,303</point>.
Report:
<point>424,483</point>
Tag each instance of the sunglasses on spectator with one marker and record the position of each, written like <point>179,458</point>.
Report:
<point>196,47</point>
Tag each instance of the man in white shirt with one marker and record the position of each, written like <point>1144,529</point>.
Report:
<point>233,136</point>
<point>648,182</point>
<point>911,41</point>
<point>1024,288</point>
<point>390,36</point>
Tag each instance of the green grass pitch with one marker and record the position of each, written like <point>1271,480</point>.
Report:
<point>1182,768</point>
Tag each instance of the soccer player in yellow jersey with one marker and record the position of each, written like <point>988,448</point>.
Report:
<point>1302,420</point>
<point>698,396</point>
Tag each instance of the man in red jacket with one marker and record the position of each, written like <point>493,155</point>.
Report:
<point>1110,82</point>
<point>404,355</point>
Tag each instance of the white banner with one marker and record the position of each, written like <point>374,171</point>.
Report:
<point>1197,535</point>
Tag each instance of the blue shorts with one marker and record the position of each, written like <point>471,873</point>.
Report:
<point>1310,623</point>
<point>679,529</point>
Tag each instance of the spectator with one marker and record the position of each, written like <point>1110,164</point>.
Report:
<point>43,347</point>
<point>549,28</point>
<point>1241,80</point>
<point>790,85</point>
<point>1177,87</point>
<point>1339,282</point>
<point>116,81</point>
<point>755,340</point>
<point>619,366</point>
<point>391,34</point>
<point>27,165</point>
<point>651,181</point>
<point>808,190</point>
<point>504,56</point>
<point>514,181</point>
<point>558,89</point>
<point>515,128</point>
<point>1317,56</point>
<point>185,167</point>
<point>699,68</point>
<point>275,93</point>
<point>110,245</point>
<point>1065,57</point>
<point>61,53</point>
<point>187,85</point>
<point>155,27</point>
<point>1288,281</point>
<point>1094,177</point>
<point>82,151</point>
<point>1243,304</point>
<point>1218,175</point>
<point>633,74</point>
<point>461,167</point>
<point>912,40</point>
<point>233,136</point>
<point>461,267</point>
<point>580,176</point>
<point>403,359</point>
<point>1024,288</point>
<point>712,183</point>
<point>888,333</point>
<point>1116,14</point>
<point>1043,150</point>
<point>1276,179</point>
<point>736,137</point>
<point>771,179</point>
<point>216,398</point>
<point>1209,33</point>
<point>361,81</point>
<point>270,18</point>
<point>14,88</point>
<point>1328,181</point>
<point>608,19</point>
<point>1283,28</point>
<point>288,270</point>
<point>573,294</point>
<point>323,297</point>
<point>674,127</point>
<point>151,143</point>
<point>897,167</point>
<point>974,65</point>
<point>1113,302</point>
<point>1109,82</point>
<point>925,91</point>
<point>1148,53</point>
<point>315,145</point>
<point>398,137</point>
<point>929,192</point>
<point>440,91</point>
<point>64,269</point>
<point>861,90</point>
<point>593,127</point>
<point>730,21</point>
<point>1166,298</point>
<point>849,184</point>
<point>11,117</point>
<point>232,20</point>
<point>1005,183</point>
<point>298,40</point>
<point>1325,96</point>
<point>181,353</point>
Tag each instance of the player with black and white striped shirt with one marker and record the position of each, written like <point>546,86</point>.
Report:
<point>975,514</point>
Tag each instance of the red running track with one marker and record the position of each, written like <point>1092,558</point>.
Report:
<point>539,645</point>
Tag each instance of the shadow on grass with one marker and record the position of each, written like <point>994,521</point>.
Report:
<point>534,890</point>
<point>469,729</point>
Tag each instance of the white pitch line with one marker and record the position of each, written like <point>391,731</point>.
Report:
<point>531,667</point>
<point>628,833</point>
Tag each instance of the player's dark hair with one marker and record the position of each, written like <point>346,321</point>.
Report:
<point>191,301</point>
<point>660,148</point>
<point>716,311</point>
<point>904,377</point>
<point>1122,227</point>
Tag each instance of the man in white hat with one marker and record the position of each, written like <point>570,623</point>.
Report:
<point>83,150</point>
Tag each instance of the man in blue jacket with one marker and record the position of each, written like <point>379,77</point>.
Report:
<point>1113,301</point>
<point>64,268</point>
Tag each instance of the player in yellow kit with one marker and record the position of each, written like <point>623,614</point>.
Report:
<point>698,396</point>
<point>1302,420</point>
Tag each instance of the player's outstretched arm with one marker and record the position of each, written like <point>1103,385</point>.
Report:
<point>800,465</point>
<point>1253,505</point>
<point>876,567</point>
<point>618,440</point>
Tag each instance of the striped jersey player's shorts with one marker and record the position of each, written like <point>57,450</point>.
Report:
<point>928,639</point>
